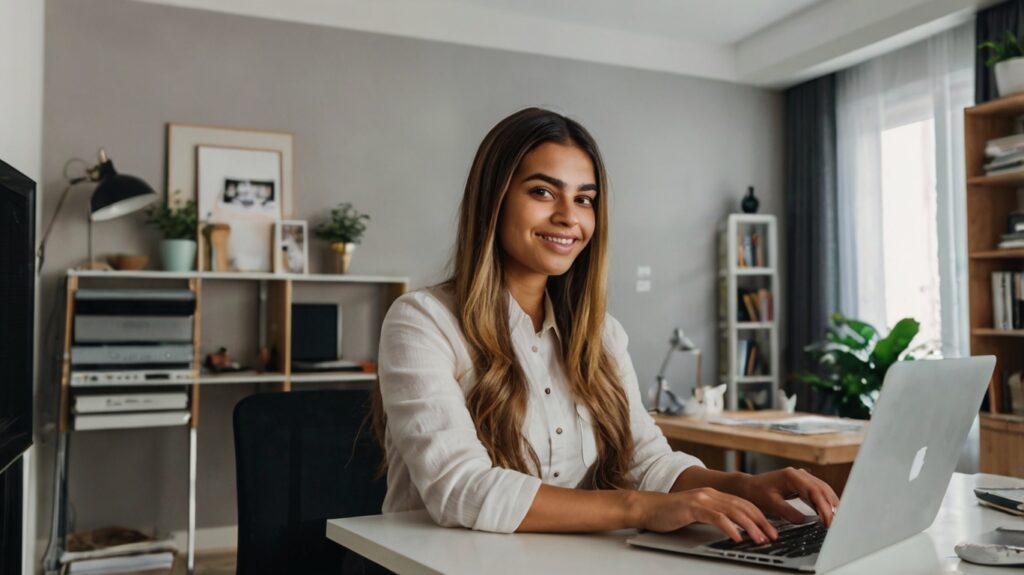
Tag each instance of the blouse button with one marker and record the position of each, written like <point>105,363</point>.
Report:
<point>557,474</point>
<point>547,391</point>
<point>534,348</point>
<point>559,431</point>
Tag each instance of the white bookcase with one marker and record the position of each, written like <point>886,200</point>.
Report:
<point>748,264</point>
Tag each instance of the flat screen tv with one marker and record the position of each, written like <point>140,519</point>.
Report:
<point>17,299</point>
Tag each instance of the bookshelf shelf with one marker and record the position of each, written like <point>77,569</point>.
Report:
<point>748,309</point>
<point>989,202</point>
<point>207,378</point>
<point>1000,254</point>
<point>989,332</point>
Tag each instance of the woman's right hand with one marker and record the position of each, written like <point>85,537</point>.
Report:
<point>664,512</point>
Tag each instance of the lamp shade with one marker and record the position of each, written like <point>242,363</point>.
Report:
<point>118,194</point>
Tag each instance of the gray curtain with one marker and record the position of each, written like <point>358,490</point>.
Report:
<point>812,238</point>
<point>989,25</point>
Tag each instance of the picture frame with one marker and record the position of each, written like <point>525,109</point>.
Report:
<point>182,179</point>
<point>241,187</point>
<point>291,247</point>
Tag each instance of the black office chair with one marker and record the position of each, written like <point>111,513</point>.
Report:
<point>299,463</point>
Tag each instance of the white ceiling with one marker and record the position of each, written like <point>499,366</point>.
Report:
<point>767,43</point>
<point>719,22</point>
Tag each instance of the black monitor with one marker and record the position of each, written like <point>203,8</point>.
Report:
<point>17,303</point>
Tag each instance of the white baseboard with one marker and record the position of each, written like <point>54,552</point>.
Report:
<point>208,538</point>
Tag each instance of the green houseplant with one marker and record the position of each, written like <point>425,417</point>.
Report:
<point>1006,62</point>
<point>853,359</point>
<point>343,228</point>
<point>178,226</point>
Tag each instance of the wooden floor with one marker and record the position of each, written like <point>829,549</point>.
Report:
<point>209,563</point>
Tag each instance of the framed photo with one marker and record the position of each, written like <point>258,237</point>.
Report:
<point>291,247</point>
<point>241,187</point>
<point>183,141</point>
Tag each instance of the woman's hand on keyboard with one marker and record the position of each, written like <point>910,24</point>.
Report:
<point>770,490</point>
<point>670,511</point>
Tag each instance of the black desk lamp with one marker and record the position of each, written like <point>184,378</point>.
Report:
<point>115,195</point>
<point>678,342</point>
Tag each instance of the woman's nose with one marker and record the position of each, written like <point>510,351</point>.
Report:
<point>565,213</point>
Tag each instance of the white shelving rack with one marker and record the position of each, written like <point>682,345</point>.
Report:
<point>732,277</point>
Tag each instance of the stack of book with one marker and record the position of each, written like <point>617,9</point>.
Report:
<point>1014,236</point>
<point>1004,155</point>
<point>114,550</point>
<point>129,408</point>
<point>748,359</point>
<point>754,305</point>
<point>750,251</point>
<point>1008,300</point>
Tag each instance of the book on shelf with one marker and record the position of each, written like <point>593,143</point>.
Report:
<point>750,250</point>
<point>748,360</point>
<point>121,402</point>
<point>1007,300</point>
<point>150,563</point>
<point>1002,147</point>
<point>130,420</point>
<point>754,305</point>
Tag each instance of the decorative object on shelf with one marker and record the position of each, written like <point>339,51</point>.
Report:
<point>127,262</point>
<point>221,362</point>
<point>115,195</point>
<point>665,401</point>
<point>750,203</point>
<point>706,401</point>
<point>854,359</point>
<point>290,247</point>
<point>343,229</point>
<point>787,403</point>
<point>217,236</point>
<point>178,226</point>
<point>1006,62</point>
<point>243,188</point>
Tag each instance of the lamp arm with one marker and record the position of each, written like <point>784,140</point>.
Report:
<point>72,182</point>
<point>664,364</point>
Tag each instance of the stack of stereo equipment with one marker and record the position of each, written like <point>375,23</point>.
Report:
<point>132,357</point>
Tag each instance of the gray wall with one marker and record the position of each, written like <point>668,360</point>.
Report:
<point>390,124</point>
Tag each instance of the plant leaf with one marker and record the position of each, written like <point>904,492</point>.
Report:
<point>887,351</point>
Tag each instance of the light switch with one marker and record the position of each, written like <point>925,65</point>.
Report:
<point>643,285</point>
<point>643,272</point>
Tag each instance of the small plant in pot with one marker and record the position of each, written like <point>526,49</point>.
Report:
<point>1007,62</point>
<point>178,226</point>
<point>344,229</point>
<point>853,360</point>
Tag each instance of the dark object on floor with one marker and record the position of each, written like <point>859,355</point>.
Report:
<point>750,203</point>
<point>301,460</point>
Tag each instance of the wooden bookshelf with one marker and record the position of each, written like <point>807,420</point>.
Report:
<point>990,199</point>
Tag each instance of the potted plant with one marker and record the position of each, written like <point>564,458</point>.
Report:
<point>343,229</point>
<point>853,360</point>
<point>1006,62</point>
<point>178,248</point>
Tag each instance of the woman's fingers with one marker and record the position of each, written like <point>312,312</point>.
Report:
<point>815,493</point>
<point>784,510</point>
<point>720,520</point>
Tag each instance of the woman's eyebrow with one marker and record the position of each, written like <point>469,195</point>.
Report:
<point>559,183</point>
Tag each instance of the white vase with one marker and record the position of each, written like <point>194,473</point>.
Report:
<point>178,255</point>
<point>1009,76</point>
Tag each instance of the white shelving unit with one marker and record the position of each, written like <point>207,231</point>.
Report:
<point>758,270</point>
<point>276,294</point>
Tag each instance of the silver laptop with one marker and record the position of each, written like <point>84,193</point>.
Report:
<point>897,482</point>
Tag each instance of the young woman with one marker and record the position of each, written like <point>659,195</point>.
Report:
<point>508,401</point>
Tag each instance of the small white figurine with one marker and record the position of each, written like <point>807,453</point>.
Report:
<point>706,400</point>
<point>786,403</point>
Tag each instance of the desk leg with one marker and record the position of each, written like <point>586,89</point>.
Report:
<point>51,562</point>
<point>191,500</point>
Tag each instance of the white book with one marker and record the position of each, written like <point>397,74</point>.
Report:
<point>123,564</point>
<point>131,420</point>
<point>107,403</point>
<point>997,300</point>
<point>1007,301</point>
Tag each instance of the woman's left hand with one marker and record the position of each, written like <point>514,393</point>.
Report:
<point>770,490</point>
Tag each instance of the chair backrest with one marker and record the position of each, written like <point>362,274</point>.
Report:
<point>300,460</point>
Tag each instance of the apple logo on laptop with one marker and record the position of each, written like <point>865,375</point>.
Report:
<point>915,469</point>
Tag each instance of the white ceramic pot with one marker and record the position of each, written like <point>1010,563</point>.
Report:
<point>1009,76</point>
<point>178,255</point>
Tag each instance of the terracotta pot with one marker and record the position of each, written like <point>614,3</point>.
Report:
<point>340,257</point>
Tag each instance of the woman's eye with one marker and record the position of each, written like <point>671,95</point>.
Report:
<point>541,192</point>
<point>585,200</point>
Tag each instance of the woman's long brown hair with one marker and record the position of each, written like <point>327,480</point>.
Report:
<point>497,403</point>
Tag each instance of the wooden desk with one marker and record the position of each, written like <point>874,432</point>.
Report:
<point>828,456</point>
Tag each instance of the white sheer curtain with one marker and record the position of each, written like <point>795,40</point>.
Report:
<point>923,87</point>
<point>930,83</point>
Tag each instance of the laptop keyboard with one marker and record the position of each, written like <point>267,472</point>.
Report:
<point>797,541</point>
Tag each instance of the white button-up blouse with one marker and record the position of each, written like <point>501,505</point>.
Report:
<point>435,460</point>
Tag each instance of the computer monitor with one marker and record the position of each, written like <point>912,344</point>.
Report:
<point>17,302</point>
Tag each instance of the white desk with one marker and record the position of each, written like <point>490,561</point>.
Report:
<point>411,544</point>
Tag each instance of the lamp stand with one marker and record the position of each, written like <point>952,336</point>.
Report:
<point>91,264</point>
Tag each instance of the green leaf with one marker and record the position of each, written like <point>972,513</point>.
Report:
<point>887,351</point>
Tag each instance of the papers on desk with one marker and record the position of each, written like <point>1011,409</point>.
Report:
<point>801,425</point>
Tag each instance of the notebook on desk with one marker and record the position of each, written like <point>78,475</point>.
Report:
<point>897,482</point>
<point>801,425</point>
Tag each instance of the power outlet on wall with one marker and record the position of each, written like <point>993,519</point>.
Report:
<point>643,278</point>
